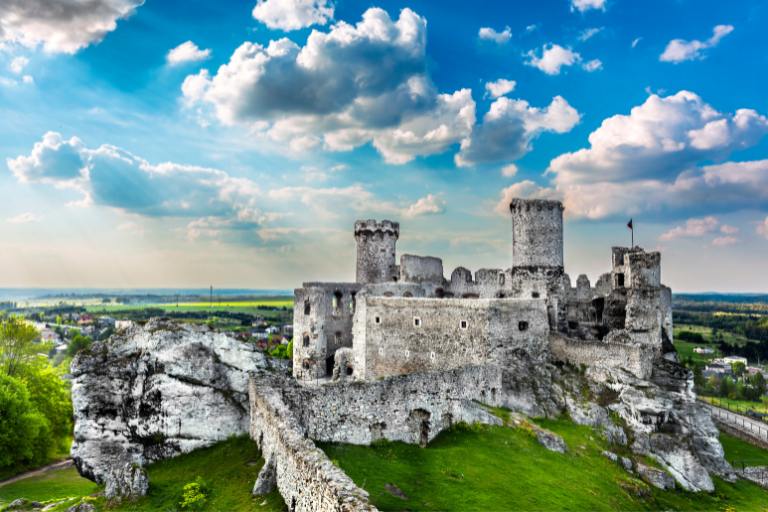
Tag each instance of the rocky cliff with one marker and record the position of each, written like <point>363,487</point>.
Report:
<point>154,392</point>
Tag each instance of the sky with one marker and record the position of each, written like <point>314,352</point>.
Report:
<point>148,143</point>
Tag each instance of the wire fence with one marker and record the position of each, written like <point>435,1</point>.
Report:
<point>751,426</point>
<point>737,408</point>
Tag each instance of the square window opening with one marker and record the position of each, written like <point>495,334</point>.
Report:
<point>522,325</point>
<point>416,321</point>
<point>377,320</point>
<point>463,324</point>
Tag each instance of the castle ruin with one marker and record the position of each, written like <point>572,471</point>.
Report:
<point>404,318</point>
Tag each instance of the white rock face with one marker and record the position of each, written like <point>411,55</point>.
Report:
<point>668,424</point>
<point>155,392</point>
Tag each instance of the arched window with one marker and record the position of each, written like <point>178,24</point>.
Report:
<point>337,302</point>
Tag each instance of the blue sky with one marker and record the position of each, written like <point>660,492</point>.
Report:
<point>165,143</point>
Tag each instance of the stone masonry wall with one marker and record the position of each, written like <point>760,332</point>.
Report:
<point>396,336</point>
<point>637,359</point>
<point>306,478</point>
<point>409,408</point>
<point>537,233</point>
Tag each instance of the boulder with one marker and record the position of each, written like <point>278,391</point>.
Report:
<point>656,477</point>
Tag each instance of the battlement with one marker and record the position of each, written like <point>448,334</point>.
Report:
<point>371,226</point>
<point>521,204</point>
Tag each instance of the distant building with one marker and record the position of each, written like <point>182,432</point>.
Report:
<point>729,360</point>
<point>717,369</point>
<point>704,350</point>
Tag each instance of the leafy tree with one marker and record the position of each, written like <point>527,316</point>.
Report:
<point>16,344</point>
<point>738,368</point>
<point>23,430</point>
<point>78,343</point>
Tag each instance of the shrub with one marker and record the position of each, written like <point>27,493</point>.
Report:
<point>194,495</point>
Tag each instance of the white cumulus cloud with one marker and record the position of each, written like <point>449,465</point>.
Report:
<point>293,14</point>
<point>680,50</point>
<point>553,57</point>
<point>351,85</point>
<point>586,5</point>
<point>186,52</point>
<point>500,87</point>
<point>427,205</point>
<point>593,65</point>
<point>509,127</point>
<point>509,170</point>
<point>18,64</point>
<point>692,228</point>
<point>61,26</point>
<point>491,34</point>
<point>650,161</point>
<point>24,218</point>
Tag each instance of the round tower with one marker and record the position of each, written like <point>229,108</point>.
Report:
<point>537,233</point>
<point>376,242</point>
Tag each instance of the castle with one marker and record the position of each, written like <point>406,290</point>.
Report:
<point>403,354</point>
<point>407,318</point>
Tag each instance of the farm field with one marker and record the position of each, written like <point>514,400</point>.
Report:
<point>245,306</point>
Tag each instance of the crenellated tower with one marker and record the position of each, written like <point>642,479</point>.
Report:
<point>376,258</point>
<point>537,233</point>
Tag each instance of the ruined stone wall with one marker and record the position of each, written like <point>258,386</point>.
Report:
<point>410,408</point>
<point>421,269</point>
<point>537,233</point>
<point>396,336</point>
<point>322,323</point>
<point>637,359</point>
<point>376,241</point>
<point>305,477</point>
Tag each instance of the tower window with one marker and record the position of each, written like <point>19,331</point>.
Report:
<point>305,340</point>
<point>306,307</point>
<point>620,280</point>
<point>377,320</point>
<point>337,302</point>
<point>522,325</point>
<point>416,321</point>
<point>352,302</point>
<point>463,324</point>
<point>535,295</point>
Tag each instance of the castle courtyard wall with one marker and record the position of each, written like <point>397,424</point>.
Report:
<point>395,335</point>
<point>305,477</point>
<point>636,358</point>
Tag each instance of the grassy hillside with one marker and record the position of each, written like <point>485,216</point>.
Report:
<point>228,469</point>
<point>467,468</point>
<point>499,468</point>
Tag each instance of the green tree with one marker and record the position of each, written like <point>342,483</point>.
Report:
<point>78,343</point>
<point>738,368</point>
<point>17,338</point>
<point>23,430</point>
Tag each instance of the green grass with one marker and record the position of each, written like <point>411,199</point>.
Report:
<point>245,306</point>
<point>54,484</point>
<point>228,468</point>
<point>740,452</point>
<point>741,406</point>
<point>500,468</point>
<point>685,350</point>
<point>728,337</point>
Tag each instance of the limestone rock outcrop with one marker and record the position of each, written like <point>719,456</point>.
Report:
<point>666,422</point>
<point>154,392</point>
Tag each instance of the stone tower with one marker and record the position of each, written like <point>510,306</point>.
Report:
<point>376,242</point>
<point>537,233</point>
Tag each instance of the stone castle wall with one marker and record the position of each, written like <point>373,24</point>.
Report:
<point>396,336</point>
<point>306,478</point>
<point>322,323</point>
<point>636,358</point>
<point>411,408</point>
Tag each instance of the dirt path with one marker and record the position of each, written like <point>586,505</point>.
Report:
<point>39,471</point>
